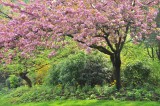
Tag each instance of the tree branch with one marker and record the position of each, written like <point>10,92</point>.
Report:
<point>126,33</point>
<point>99,48</point>
<point>150,55</point>
<point>117,45</point>
<point>107,40</point>
<point>5,15</point>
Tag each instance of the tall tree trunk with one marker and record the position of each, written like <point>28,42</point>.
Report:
<point>116,62</point>
<point>23,75</point>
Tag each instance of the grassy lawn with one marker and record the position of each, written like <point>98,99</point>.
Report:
<point>91,103</point>
<point>3,102</point>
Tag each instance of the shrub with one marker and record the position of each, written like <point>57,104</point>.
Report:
<point>52,76</point>
<point>81,69</point>
<point>155,74</point>
<point>136,74</point>
<point>13,81</point>
<point>18,92</point>
<point>41,73</point>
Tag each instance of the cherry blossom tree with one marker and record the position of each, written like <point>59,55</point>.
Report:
<point>95,24</point>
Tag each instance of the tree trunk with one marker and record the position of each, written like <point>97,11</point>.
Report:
<point>116,62</point>
<point>23,75</point>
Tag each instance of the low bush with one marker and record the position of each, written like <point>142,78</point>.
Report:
<point>81,69</point>
<point>13,81</point>
<point>155,72</point>
<point>136,74</point>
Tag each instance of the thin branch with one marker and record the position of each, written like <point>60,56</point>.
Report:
<point>5,15</point>
<point>150,2</point>
<point>117,45</point>
<point>126,33</point>
<point>100,48</point>
<point>107,40</point>
<point>150,55</point>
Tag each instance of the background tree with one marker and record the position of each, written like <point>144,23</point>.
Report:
<point>152,44</point>
<point>101,25</point>
<point>22,67</point>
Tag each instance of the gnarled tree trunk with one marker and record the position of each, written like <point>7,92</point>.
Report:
<point>24,76</point>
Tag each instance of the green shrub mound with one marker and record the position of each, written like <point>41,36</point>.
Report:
<point>136,74</point>
<point>81,69</point>
<point>13,81</point>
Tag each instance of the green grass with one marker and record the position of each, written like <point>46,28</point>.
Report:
<point>3,102</point>
<point>92,103</point>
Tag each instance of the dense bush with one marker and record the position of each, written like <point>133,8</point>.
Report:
<point>136,74</point>
<point>13,81</point>
<point>41,73</point>
<point>155,72</point>
<point>81,69</point>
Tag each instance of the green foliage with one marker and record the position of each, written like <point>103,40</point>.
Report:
<point>136,74</point>
<point>80,69</point>
<point>133,53</point>
<point>59,92</point>
<point>4,90</point>
<point>62,54</point>
<point>52,77</point>
<point>71,69</point>
<point>35,94</point>
<point>140,94</point>
<point>3,77</point>
<point>104,90</point>
<point>155,72</point>
<point>18,92</point>
<point>13,81</point>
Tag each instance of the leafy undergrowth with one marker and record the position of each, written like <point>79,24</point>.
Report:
<point>4,101</point>
<point>46,93</point>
